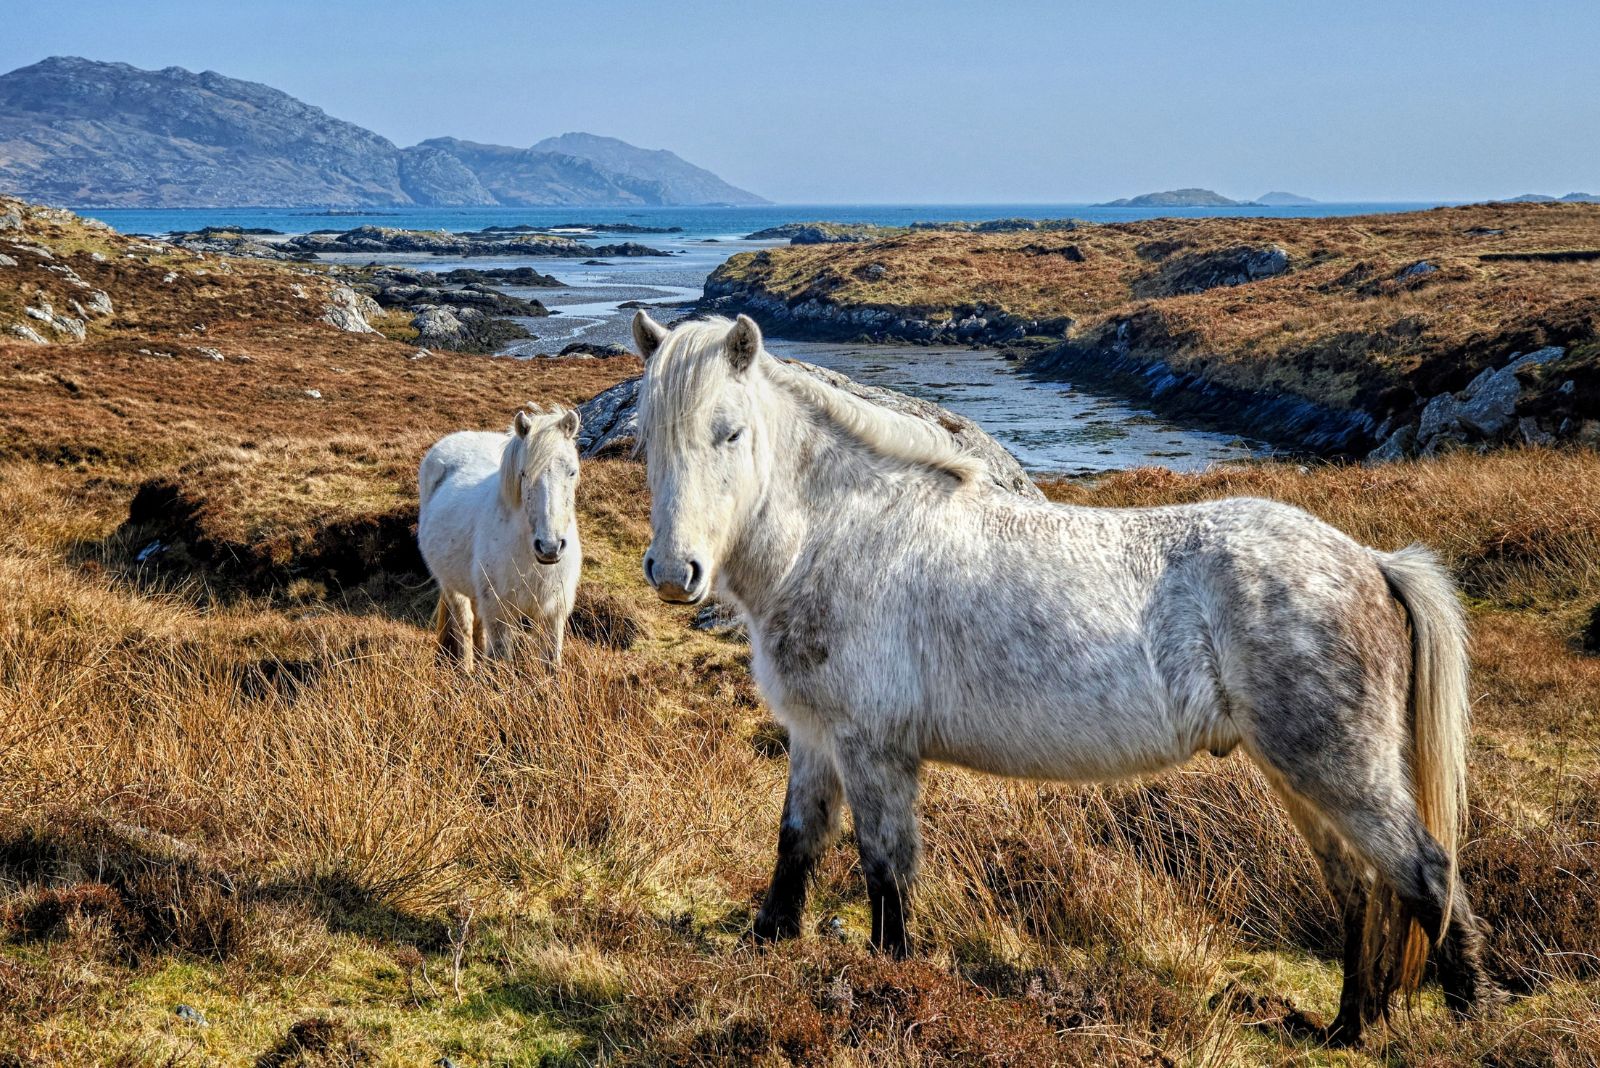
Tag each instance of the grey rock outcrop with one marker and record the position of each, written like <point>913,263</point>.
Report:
<point>348,310</point>
<point>609,425</point>
<point>464,328</point>
<point>1199,271</point>
<point>439,326</point>
<point>1484,413</point>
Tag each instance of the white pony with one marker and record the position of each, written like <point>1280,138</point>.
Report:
<point>903,610</point>
<point>499,531</point>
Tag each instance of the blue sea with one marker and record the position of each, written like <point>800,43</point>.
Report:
<point>1053,428</point>
<point>700,223</point>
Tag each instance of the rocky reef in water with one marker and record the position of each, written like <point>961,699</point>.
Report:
<point>379,239</point>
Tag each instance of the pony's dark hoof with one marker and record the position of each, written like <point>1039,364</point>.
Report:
<point>895,949</point>
<point>770,928</point>
<point>1341,1034</point>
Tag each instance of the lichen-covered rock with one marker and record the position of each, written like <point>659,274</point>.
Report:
<point>348,310</point>
<point>438,326</point>
<point>609,424</point>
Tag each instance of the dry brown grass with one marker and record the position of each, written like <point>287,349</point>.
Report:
<point>234,776</point>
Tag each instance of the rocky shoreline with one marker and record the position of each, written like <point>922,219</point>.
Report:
<point>491,241</point>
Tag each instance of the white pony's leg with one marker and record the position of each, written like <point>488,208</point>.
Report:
<point>558,634</point>
<point>456,634</point>
<point>501,637</point>
<point>810,823</point>
<point>882,784</point>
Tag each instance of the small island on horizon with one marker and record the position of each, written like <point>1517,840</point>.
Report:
<point>1203,198</point>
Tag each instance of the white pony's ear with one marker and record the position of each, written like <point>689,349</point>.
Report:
<point>744,342</point>
<point>522,424</point>
<point>647,334</point>
<point>569,423</point>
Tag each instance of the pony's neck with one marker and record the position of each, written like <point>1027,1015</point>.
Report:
<point>816,472</point>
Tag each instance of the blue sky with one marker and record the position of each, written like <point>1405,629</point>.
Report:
<point>995,102</point>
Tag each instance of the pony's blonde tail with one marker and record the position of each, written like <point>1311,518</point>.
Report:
<point>1439,715</point>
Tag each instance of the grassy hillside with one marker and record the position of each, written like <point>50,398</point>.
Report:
<point>233,779</point>
<point>1374,314</point>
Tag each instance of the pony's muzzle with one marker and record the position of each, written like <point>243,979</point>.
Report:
<point>547,552</point>
<point>677,582</point>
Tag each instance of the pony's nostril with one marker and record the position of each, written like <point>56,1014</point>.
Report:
<point>562,547</point>
<point>694,573</point>
<point>650,570</point>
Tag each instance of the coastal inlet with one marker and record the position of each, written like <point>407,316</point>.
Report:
<point>1054,428</point>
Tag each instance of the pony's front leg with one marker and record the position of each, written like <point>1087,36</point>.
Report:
<point>809,825</point>
<point>497,639</point>
<point>882,785</point>
<point>552,630</point>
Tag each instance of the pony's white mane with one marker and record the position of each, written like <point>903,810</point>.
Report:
<point>530,452</point>
<point>684,377</point>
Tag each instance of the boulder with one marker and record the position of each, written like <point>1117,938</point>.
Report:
<point>1440,415</point>
<point>609,425</point>
<point>604,351</point>
<point>348,310</point>
<point>1397,446</point>
<point>1539,356</point>
<point>438,326</point>
<point>1491,403</point>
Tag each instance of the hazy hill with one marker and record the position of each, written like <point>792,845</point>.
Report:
<point>1543,198</point>
<point>1280,199</point>
<point>82,132</point>
<point>682,181</point>
<point>1174,198</point>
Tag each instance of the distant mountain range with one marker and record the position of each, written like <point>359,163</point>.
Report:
<point>90,134</point>
<point>1203,198</point>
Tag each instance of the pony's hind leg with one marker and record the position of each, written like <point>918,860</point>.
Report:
<point>1346,879</point>
<point>882,785</point>
<point>1362,795</point>
<point>810,824</point>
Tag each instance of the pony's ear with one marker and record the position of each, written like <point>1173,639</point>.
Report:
<point>569,423</point>
<point>522,423</point>
<point>744,342</point>
<point>647,334</point>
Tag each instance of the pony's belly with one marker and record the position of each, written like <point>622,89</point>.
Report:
<point>1131,741</point>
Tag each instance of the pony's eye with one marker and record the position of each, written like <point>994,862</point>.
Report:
<point>735,436</point>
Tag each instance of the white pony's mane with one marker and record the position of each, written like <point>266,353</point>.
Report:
<point>530,452</point>
<point>684,377</point>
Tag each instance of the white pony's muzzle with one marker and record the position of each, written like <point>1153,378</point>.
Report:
<point>677,579</point>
